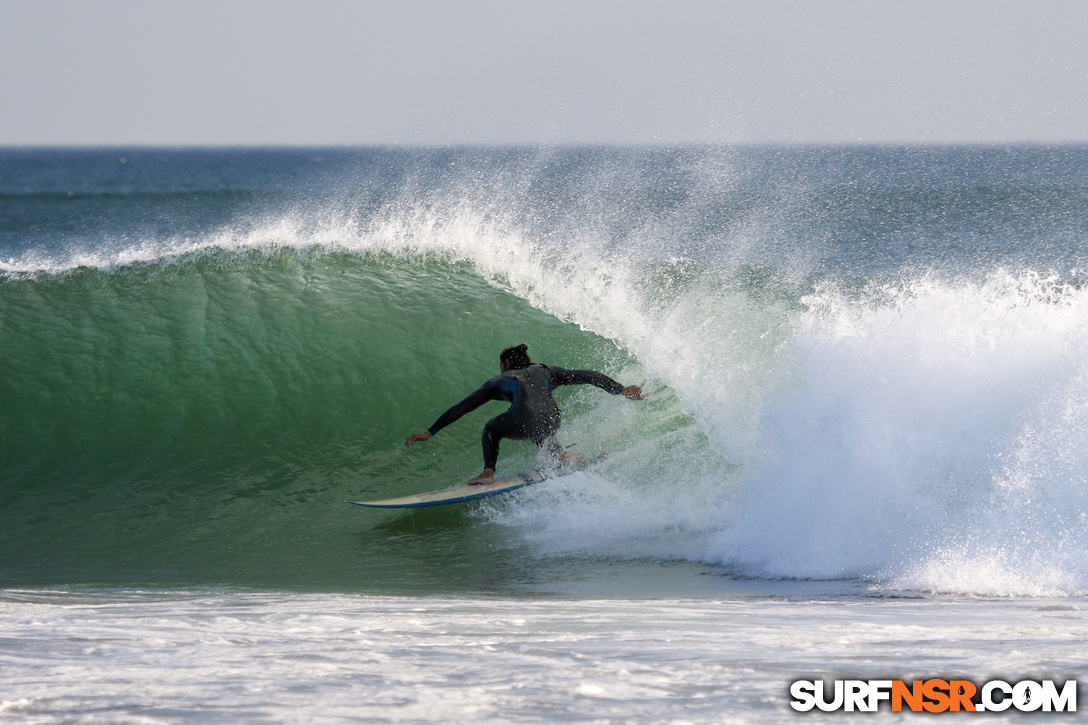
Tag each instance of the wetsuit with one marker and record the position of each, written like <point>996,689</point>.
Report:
<point>533,414</point>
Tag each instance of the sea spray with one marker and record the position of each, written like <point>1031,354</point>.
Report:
<point>900,435</point>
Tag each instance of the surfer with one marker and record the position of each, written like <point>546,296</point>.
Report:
<point>533,414</point>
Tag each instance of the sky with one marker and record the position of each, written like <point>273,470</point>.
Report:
<point>422,72</point>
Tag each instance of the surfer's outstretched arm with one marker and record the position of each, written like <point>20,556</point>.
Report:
<point>494,389</point>
<point>562,376</point>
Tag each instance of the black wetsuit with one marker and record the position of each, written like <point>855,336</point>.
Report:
<point>533,414</point>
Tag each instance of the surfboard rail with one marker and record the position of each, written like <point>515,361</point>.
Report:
<point>466,492</point>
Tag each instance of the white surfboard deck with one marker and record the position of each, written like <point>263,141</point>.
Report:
<point>465,492</point>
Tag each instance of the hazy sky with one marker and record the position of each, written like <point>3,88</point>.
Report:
<point>185,72</point>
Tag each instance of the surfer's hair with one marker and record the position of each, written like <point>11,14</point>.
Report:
<point>516,358</point>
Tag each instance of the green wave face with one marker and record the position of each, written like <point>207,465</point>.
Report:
<point>204,419</point>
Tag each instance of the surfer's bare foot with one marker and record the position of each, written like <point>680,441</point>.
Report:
<point>488,476</point>
<point>569,459</point>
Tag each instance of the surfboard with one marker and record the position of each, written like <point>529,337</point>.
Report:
<point>465,492</point>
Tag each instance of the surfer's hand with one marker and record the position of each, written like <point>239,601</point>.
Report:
<point>632,392</point>
<point>417,438</point>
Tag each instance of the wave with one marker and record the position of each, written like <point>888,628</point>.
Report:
<point>205,402</point>
<point>202,413</point>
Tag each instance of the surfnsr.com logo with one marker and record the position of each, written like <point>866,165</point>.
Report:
<point>934,695</point>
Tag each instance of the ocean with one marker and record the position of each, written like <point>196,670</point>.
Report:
<point>863,452</point>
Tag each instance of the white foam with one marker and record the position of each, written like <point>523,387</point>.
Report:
<point>288,657</point>
<point>908,426</point>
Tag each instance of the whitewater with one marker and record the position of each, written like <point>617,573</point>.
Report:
<point>862,452</point>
